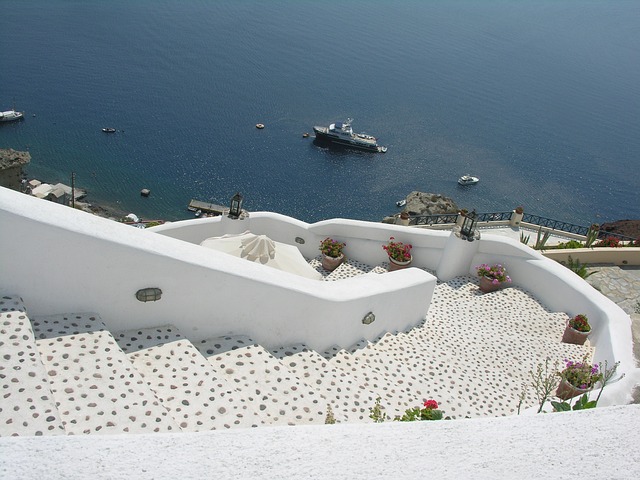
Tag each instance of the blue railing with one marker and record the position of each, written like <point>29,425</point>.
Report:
<point>506,216</point>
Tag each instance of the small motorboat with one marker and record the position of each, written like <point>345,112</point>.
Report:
<point>468,180</point>
<point>401,203</point>
<point>109,130</point>
<point>10,116</point>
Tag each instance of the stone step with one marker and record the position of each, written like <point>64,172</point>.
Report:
<point>352,268</point>
<point>264,382</point>
<point>27,407</point>
<point>347,269</point>
<point>396,384</point>
<point>95,387</point>
<point>350,402</point>
<point>468,368</point>
<point>461,294</point>
<point>195,395</point>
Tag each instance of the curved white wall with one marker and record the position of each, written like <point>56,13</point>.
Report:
<point>62,260</point>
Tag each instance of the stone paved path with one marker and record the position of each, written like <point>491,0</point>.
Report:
<point>622,285</point>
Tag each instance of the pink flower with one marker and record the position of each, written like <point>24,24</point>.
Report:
<point>431,404</point>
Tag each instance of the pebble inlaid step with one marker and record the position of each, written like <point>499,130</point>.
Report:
<point>350,402</point>
<point>185,382</point>
<point>26,403</point>
<point>397,385</point>
<point>347,269</point>
<point>95,387</point>
<point>264,382</point>
<point>477,349</point>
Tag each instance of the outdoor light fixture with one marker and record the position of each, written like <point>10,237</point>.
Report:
<point>369,318</point>
<point>236,206</point>
<point>149,294</point>
<point>468,228</point>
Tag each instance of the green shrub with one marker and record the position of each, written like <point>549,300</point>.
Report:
<point>578,268</point>
<point>570,244</point>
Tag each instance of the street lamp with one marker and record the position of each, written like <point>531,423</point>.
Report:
<point>468,228</point>
<point>236,206</point>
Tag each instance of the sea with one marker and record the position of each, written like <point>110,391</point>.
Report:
<point>539,99</point>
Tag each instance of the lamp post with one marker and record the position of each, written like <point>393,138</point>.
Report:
<point>468,228</point>
<point>236,206</point>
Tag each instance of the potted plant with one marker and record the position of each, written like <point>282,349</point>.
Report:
<point>577,378</point>
<point>492,277</point>
<point>399,254</point>
<point>577,330</point>
<point>332,255</point>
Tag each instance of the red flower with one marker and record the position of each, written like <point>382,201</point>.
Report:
<point>431,404</point>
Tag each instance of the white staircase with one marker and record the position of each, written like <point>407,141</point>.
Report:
<point>472,354</point>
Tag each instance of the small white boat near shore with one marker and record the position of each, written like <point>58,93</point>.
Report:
<point>10,116</point>
<point>468,180</point>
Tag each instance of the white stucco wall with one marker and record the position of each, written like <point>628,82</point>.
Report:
<point>61,261</point>
<point>602,442</point>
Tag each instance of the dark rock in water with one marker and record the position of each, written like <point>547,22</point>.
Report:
<point>630,228</point>
<point>420,203</point>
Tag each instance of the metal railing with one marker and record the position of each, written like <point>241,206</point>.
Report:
<point>501,217</point>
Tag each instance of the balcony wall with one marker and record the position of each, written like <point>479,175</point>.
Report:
<point>61,260</point>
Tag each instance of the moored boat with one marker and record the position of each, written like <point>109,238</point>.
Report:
<point>10,116</point>
<point>468,180</point>
<point>109,130</point>
<point>341,133</point>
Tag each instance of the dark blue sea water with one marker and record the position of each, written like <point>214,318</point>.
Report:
<point>539,99</point>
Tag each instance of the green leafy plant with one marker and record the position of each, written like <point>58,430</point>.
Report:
<point>524,238</point>
<point>496,273</point>
<point>377,412</point>
<point>592,235</point>
<point>578,268</point>
<point>637,307</point>
<point>569,244</point>
<point>331,247</point>
<point>399,251</point>
<point>580,323</point>
<point>428,411</point>
<point>541,239</point>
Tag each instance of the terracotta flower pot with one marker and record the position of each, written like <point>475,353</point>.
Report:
<point>398,265</point>
<point>331,263</point>
<point>576,337</point>
<point>487,285</point>
<point>566,391</point>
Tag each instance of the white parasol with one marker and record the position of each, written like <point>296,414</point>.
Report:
<point>261,249</point>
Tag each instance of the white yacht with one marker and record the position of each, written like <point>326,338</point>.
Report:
<point>10,116</point>
<point>468,180</point>
<point>342,134</point>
